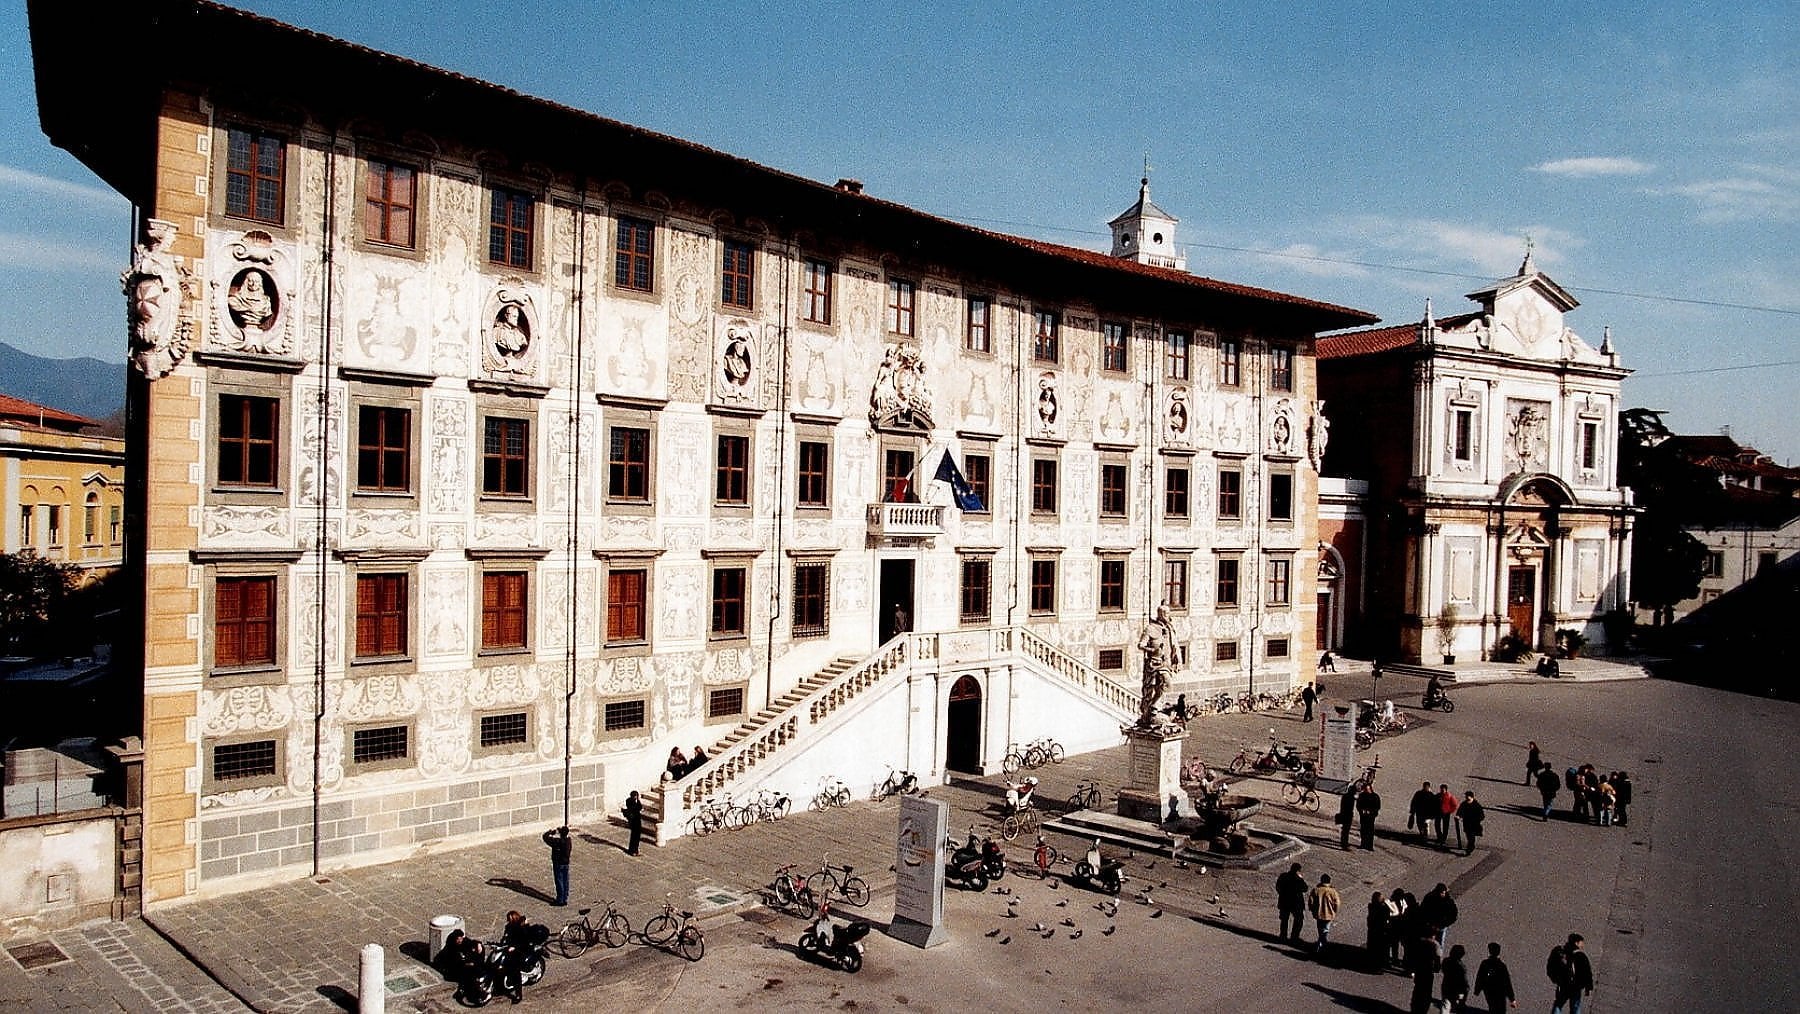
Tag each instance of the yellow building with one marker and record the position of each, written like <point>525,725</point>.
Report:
<point>63,486</point>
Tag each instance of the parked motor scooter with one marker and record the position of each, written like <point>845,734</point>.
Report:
<point>1100,873</point>
<point>969,864</point>
<point>840,945</point>
<point>485,968</point>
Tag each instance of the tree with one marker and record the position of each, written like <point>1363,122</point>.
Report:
<point>33,593</point>
<point>1674,493</point>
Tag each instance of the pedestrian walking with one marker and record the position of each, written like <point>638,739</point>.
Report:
<point>1290,902</point>
<point>1572,780</point>
<point>1606,797</point>
<point>1308,696</point>
<point>1421,810</point>
<point>560,847</point>
<point>1533,761</point>
<point>1422,961</point>
<point>634,819</point>
<point>1379,918</point>
<point>1346,814</point>
<point>1471,813</point>
<point>1547,784</point>
<point>1493,982</point>
<point>1572,974</point>
<point>1324,903</point>
<point>1622,786</point>
<point>1444,814</point>
<point>1455,988</point>
<point>1439,910</point>
<point>1368,806</point>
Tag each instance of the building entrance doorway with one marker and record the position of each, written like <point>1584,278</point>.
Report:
<point>894,610</point>
<point>1521,603</point>
<point>1323,622</point>
<point>962,727</point>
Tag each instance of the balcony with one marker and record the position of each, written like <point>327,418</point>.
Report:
<point>905,520</point>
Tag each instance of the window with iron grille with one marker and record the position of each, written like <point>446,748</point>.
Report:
<point>811,618</point>
<point>818,292</point>
<point>1175,354</point>
<point>624,715</point>
<point>902,304</point>
<point>1281,571</point>
<point>383,449</point>
<point>1281,497</point>
<point>243,621</point>
<point>1112,490</point>
<point>1112,585</point>
<point>249,449</point>
<point>1231,356</point>
<point>977,591</point>
<point>1110,660</point>
<point>1113,356</point>
<point>628,464</point>
<point>732,480</point>
<point>813,489</point>
<point>1043,586</point>
<point>255,176</point>
<point>728,600</point>
<point>1175,493</point>
<point>978,338</point>
<point>383,743</point>
<point>511,729</point>
<point>978,470</point>
<point>1281,368</point>
<point>1044,337</point>
<point>504,610</point>
<point>505,457</point>
<point>634,254</point>
<point>389,196</point>
<point>1226,592</point>
<point>1175,582</point>
<point>1231,489</point>
<point>510,214</point>
<point>725,702</point>
<point>735,276</point>
<point>1278,647</point>
<point>1043,486</point>
<point>381,615</point>
<point>626,605</point>
<point>231,761</point>
<point>1225,651</point>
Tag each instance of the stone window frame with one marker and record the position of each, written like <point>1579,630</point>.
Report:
<point>279,388</point>
<point>916,445</point>
<point>219,140</point>
<point>978,338</point>
<point>499,406</point>
<point>625,562</point>
<point>1225,651</point>
<point>1046,337</point>
<point>743,561</point>
<point>1115,355</point>
<point>740,428</point>
<point>965,617</point>
<point>273,674</point>
<point>1043,562</point>
<point>1232,560</point>
<point>1110,658</point>
<point>658,227</point>
<point>409,398</point>
<point>501,562</point>
<point>1177,582</point>
<point>505,183</point>
<point>1284,366</point>
<point>1053,460</point>
<point>821,629</point>
<point>1118,563</point>
<point>741,687</point>
<point>728,245</point>
<point>371,152</point>
<point>529,744</point>
<point>1713,565</point>
<point>981,447</point>
<point>408,760</point>
<point>1178,355</point>
<point>1236,513</point>
<point>1186,493</point>
<point>1462,406</point>
<point>901,312</point>
<point>634,418</point>
<point>1275,648</point>
<point>211,786</point>
<point>1119,460</point>
<point>371,563</point>
<point>1230,362</point>
<point>1278,582</point>
<point>1276,475</point>
<point>810,297</point>
<point>604,735</point>
<point>814,433</point>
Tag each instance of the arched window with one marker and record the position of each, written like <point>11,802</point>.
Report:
<point>90,520</point>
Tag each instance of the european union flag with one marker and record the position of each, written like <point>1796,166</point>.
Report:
<point>959,486</point>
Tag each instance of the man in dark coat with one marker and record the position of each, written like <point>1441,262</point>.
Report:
<point>1576,983</point>
<point>634,819</point>
<point>1548,784</point>
<point>1346,814</point>
<point>1368,805</point>
<point>1379,918</point>
<point>1423,810</point>
<point>560,847</point>
<point>1290,901</point>
<point>1423,957</point>
<point>1308,696</point>
<point>1471,813</point>
<point>1622,785</point>
<point>1439,909</point>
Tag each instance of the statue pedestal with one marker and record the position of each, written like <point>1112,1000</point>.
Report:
<point>1152,791</point>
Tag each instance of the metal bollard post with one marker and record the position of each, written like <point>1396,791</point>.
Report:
<point>371,991</point>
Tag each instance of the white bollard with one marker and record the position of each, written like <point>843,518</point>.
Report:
<point>371,992</point>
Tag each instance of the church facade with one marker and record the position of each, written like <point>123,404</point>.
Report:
<point>487,449</point>
<point>1483,452</point>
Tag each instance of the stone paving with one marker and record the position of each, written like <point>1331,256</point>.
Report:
<point>110,966</point>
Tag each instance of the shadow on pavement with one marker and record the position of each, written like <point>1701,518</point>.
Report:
<point>520,887</point>
<point>340,996</point>
<point>1350,1001</point>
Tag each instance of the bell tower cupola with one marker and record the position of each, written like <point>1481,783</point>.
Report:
<point>1146,233</point>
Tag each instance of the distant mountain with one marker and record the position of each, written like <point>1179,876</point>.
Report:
<point>83,386</point>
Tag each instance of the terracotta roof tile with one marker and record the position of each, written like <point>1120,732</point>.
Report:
<point>1379,339</point>
<point>20,410</point>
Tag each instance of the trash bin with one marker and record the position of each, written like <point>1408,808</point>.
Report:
<point>441,928</point>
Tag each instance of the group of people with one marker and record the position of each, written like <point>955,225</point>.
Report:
<point>464,956</point>
<point>1437,812</point>
<point>1593,797</point>
<point>680,764</point>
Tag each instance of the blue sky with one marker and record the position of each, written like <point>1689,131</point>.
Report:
<point>1371,157</point>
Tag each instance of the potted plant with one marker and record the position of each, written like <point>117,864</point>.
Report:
<point>1446,631</point>
<point>1570,641</point>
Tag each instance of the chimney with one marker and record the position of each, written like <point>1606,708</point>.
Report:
<point>849,186</point>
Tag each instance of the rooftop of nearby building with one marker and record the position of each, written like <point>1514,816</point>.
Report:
<point>30,415</point>
<point>76,56</point>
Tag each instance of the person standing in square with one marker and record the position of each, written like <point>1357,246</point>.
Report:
<point>560,847</point>
<point>634,819</point>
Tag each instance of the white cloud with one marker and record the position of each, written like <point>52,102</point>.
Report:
<point>16,179</point>
<point>1758,193</point>
<point>1308,259</point>
<point>1596,165</point>
<point>1455,246</point>
<point>41,253</point>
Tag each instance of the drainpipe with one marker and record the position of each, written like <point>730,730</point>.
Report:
<point>572,541</point>
<point>328,235</point>
<point>778,515</point>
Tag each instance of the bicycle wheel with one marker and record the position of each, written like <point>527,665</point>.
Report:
<point>1035,757</point>
<point>1009,829</point>
<point>693,943</point>
<point>855,891</point>
<point>1290,793</point>
<point>615,929</point>
<point>1011,764</point>
<point>778,809</point>
<point>1309,799</point>
<point>737,817</point>
<point>819,802</point>
<point>841,797</point>
<point>1056,753</point>
<point>805,903</point>
<point>1239,763</point>
<point>784,892</point>
<point>699,825</point>
<point>573,941</point>
<point>659,928</point>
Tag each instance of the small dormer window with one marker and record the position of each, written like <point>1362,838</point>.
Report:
<point>1127,239</point>
<point>1156,237</point>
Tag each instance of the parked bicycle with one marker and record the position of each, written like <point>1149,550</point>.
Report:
<point>832,792</point>
<point>1301,789</point>
<point>768,805</point>
<point>791,890</point>
<point>1086,796</point>
<point>1023,822</point>
<point>612,929</point>
<point>853,889</point>
<point>710,816</point>
<point>674,930</point>
<point>1043,751</point>
<point>898,783</point>
<point>1045,857</point>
